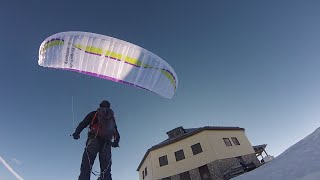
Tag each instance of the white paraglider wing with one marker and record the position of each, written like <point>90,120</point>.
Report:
<point>108,58</point>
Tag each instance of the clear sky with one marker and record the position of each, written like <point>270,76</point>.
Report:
<point>250,63</point>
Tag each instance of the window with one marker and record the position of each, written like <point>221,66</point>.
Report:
<point>227,141</point>
<point>240,159</point>
<point>235,141</point>
<point>163,160</point>
<point>196,149</point>
<point>185,176</point>
<point>145,172</point>
<point>142,174</point>
<point>179,155</point>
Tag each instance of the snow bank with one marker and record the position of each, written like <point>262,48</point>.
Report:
<point>299,162</point>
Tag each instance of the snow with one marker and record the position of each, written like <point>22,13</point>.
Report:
<point>299,162</point>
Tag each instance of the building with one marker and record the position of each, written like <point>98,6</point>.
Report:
<point>198,154</point>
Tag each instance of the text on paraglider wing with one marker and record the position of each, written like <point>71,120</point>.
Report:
<point>69,55</point>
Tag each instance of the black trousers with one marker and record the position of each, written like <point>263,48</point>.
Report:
<point>95,145</point>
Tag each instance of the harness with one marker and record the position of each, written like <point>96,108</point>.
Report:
<point>98,128</point>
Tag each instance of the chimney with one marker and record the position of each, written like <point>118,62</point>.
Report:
<point>175,132</point>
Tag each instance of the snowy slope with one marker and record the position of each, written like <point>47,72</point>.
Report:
<point>300,161</point>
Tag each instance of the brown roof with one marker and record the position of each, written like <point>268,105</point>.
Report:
<point>188,133</point>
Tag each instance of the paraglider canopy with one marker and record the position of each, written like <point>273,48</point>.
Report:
<point>108,58</point>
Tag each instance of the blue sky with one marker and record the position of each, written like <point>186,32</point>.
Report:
<point>252,64</point>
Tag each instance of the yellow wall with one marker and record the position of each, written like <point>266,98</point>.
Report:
<point>213,148</point>
<point>221,151</point>
<point>175,167</point>
<point>147,163</point>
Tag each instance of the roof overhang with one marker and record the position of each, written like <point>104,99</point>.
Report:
<point>259,148</point>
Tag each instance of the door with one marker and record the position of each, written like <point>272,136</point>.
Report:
<point>204,173</point>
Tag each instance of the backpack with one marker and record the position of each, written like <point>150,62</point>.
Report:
<point>103,123</point>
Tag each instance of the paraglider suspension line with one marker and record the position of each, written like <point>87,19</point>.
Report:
<point>88,153</point>
<point>104,171</point>
<point>72,114</point>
